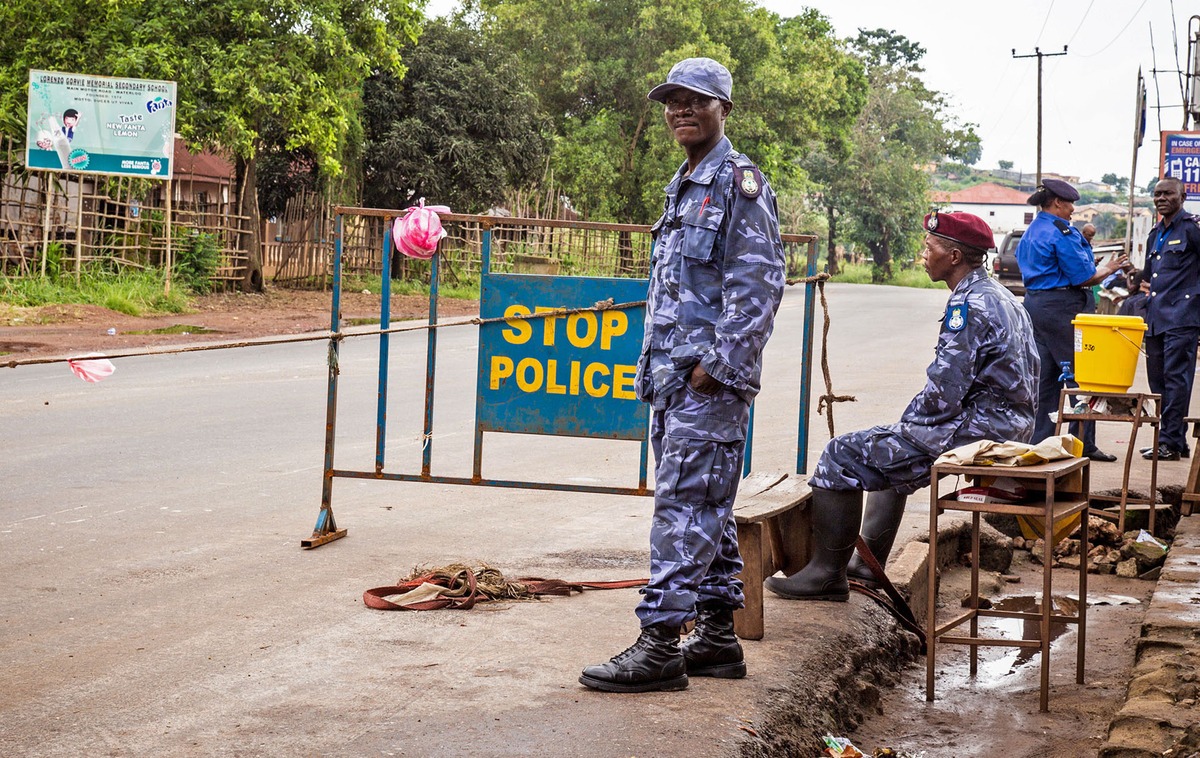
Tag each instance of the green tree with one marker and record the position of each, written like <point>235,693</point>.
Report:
<point>1006,165</point>
<point>460,129</point>
<point>592,63</point>
<point>250,73</point>
<point>903,127</point>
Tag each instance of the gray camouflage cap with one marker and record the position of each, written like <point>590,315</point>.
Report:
<point>703,75</point>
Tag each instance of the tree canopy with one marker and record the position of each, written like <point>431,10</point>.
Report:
<point>592,63</point>
<point>459,129</point>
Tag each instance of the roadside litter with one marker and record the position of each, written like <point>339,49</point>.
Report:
<point>461,586</point>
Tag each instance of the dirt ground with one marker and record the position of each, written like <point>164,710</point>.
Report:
<point>68,330</point>
<point>996,712</point>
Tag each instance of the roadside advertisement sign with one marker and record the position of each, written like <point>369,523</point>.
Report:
<point>100,125</point>
<point>1180,158</point>
<point>569,375</point>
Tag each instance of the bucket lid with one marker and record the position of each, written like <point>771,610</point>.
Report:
<point>1136,323</point>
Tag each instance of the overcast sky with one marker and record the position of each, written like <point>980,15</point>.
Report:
<point>1088,94</point>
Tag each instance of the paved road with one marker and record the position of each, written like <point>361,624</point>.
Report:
<point>155,600</point>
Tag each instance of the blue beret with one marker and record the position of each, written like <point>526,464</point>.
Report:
<point>703,75</point>
<point>1061,189</point>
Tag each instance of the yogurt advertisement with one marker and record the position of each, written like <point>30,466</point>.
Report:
<point>100,125</point>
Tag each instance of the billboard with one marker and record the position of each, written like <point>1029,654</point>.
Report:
<point>1180,158</point>
<point>100,125</point>
<point>569,375</point>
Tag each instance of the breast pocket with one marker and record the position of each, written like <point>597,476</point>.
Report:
<point>700,235</point>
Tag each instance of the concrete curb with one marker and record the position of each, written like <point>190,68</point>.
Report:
<point>1161,715</point>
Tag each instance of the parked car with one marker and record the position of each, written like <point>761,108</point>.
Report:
<point>1004,264</point>
<point>1007,272</point>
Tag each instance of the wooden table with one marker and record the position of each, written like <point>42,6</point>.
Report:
<point>1063,486</point>
<point>1136,418</point>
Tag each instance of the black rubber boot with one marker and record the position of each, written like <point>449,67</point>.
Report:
<point>836,515</point>
<point>881,522</point>
<point>654,662</point>
<point>712,649</point>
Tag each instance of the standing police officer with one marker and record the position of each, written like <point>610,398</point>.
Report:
<point>1059,270</point>
<point>980,387</point>
<point>716,283</point>
<point>1172,313</point>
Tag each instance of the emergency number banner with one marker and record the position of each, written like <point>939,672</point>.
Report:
<point>569,375</point>
<point>100,125</point>
<point>1181,159</point>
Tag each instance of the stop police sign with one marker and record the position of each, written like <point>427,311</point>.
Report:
<point>568,374</point>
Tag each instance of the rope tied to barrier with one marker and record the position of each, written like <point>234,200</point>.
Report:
<point>825,402</point>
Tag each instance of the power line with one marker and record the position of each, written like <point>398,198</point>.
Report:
<point>1123,28</point>
<point>1045,21</point>
<point>1085,15</point>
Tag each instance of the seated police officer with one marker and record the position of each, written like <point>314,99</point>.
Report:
<point>980,386</point>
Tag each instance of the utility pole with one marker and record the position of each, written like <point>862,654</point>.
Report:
<point>1037,53</point>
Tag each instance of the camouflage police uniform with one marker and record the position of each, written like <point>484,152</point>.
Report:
<point>717,279</point>
<point>982,385</point>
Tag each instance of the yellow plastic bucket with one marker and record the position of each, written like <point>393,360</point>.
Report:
<point>1106,351</point>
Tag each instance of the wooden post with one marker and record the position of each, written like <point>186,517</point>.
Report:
<point>167,290</point>
<point>79,230</point>
<point>46,224</point>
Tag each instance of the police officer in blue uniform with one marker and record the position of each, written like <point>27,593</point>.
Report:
<point>715,285</point>
<point>980,386</point>
<point>1172,313</point>
<point>1059,270</point>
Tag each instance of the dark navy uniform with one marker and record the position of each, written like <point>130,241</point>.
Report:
<point>1055,261</point>
<point>1173,320</point>
<point>716,282</point>
<point>980,387</point>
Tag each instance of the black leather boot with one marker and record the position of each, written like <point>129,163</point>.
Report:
<point>881,522</point>
<point>836,515</point>
<point>712,649</point>
<point>654,662</point>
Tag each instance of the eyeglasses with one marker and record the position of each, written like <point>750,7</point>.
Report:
<point>688,102</point>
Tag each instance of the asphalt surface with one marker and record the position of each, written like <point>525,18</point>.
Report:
<point>156,600</point>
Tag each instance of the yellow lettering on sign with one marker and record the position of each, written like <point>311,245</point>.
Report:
<point>623,382</point>
<point>502,368</point>
<point>520,331</point>
<point>549,324</point>
<point>530,375</point>
<point>589,379</point>
<point>574,383</point>
<point>552,385</point>
<point>613,324</point>
<point>589,334</point>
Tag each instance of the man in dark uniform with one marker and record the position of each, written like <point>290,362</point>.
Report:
<point>1172,313</point>
<point>1059,270</point>
<point>980,387</point>
<point>716,283</point>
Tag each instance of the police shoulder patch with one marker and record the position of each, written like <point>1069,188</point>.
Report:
<point>1063,226</point>
<point>749,181</point>
<point>956,316</point>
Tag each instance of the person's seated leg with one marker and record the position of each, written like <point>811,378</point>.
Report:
<point>881,522</point>
<point>835,518</point>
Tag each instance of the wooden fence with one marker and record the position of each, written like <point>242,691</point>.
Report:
<point>77,220</point>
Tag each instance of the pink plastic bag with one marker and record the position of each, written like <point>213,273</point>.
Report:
<point>419,230</point>
<point>92,370</point>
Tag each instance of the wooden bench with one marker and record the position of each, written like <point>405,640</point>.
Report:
<point>1190,494</point>
<point>773,532</point>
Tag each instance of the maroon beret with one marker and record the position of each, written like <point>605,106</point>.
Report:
<point>965,228</point>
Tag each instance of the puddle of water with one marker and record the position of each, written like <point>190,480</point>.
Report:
<point>1022,629</point>
<point>178,329</point>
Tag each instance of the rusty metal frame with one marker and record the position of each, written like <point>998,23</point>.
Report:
<point>326,529</point>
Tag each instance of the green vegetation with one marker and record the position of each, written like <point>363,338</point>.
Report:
<point>197,261</point>
<point>864,273</point>
<point>133,292</point>
<point>466,290</point>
